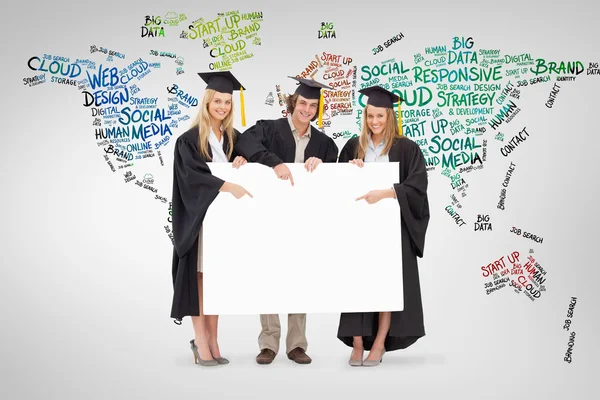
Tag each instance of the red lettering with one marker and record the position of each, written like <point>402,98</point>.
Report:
<point>486,271</point>
<point>522,280</point>
<point>515,255</point>
<point>497,265</point>
<point>502,260</point>
<point>530,268</point>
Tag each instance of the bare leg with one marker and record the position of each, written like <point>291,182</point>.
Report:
<point>200,328</point>
<point>385,320</point>
<point>357,348</point>
<point>212,325</point>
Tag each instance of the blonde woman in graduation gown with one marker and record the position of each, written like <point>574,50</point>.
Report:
<point>211,139</point>
<point>380,141</point>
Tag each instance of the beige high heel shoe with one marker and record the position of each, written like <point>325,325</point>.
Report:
<point>373,363</point>
<point>198,360</point>
<point>356,363</point>
<point>221,360</point>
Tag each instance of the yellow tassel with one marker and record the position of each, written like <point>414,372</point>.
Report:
<point>242,106</point>
<point>321,104</point>
<point>399,120</point>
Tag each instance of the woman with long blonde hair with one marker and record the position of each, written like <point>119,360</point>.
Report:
<point>381,140</point>
<point>210,139</point>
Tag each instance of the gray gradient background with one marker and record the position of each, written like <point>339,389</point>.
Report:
<point>86,285</point>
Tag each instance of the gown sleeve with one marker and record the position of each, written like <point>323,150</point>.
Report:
<point>331,155</point>
<point>412,196</point>
<point>254,143</point>
<point>194,189</point>
<point>236,138</point>
<point>347,152</point>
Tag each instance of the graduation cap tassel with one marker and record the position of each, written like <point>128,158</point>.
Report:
<point>321,104</point>
<point>399,120</point>
<point>242,106</point>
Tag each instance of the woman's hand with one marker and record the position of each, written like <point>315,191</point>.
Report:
<point>238,162</point>
<point>375,195</point>
<point>358,162</point>
<point>236,190</point>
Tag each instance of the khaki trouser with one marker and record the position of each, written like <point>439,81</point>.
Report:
<point>271,332</point>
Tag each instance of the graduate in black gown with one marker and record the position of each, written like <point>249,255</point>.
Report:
<point>381,141</point>
<point>210,139</point>
<point>273,143</point>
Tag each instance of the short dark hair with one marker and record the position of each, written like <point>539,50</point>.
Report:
<point>290,102</point>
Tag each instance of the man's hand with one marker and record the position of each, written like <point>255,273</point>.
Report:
<point>311,163</point>
<point>238,162</point>
<point>283,172</point>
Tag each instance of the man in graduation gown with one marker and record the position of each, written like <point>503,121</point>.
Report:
<point>291,139</point>
<point>406,326</point>
<point>273,143</point>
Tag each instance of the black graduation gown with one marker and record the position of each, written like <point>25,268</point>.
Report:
<point>194,190</point>
<point>407,325</point>
<point>271,142</point>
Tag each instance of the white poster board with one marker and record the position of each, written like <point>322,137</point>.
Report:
<point>307,248</point>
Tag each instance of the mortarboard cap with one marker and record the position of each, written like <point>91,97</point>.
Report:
<point>309,88</point>
<point>225,82</point>
<point>221,81</point>
<point>379,97</point>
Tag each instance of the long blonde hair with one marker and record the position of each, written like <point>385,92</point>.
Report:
<point>202,121</point>
<point>390,132</point>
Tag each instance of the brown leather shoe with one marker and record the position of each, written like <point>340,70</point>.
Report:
<point>266,356</point>
<point>298,355</point>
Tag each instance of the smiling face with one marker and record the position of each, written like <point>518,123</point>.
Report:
<point>376,119</point>
<point>220,106</point>
<point>305,110</point>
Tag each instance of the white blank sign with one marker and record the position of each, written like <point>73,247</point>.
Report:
<point>307,248</point>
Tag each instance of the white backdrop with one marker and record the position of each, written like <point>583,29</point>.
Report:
<point>290,237</point>
<point>86,255</point>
